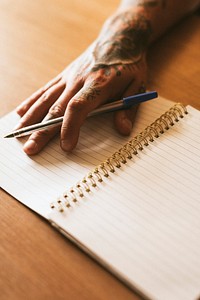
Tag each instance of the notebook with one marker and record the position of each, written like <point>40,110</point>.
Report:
<point>132,203</point>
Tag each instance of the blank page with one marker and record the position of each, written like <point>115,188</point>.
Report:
<point>143,222</point>
<point>38,180</point>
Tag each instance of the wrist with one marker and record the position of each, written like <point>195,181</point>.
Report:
<point>124,37</point>
<point>160,14</point>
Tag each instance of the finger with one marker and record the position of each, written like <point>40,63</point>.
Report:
<point>38,140</point>
<point>26,104</point>
<point>87,99</point>
<point>124,119</point>
<point>59,106</point>
<point>40,108</point>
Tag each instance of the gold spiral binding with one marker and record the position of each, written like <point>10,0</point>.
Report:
<point>120,157</point>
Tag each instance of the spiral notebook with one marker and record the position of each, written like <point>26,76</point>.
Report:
<point>132,203</point>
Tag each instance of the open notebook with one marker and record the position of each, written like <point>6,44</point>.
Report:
<point>135,211</point>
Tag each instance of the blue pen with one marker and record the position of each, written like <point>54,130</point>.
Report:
<point>124,103</point>
<point>109,107</point>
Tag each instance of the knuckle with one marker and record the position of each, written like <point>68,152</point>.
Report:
<point>41,134</point>
<point>56,110</point>
<point>101,76</point>
<point>77,105</point>
<point>45,98</point>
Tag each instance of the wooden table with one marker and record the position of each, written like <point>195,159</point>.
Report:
<point>38,39</point>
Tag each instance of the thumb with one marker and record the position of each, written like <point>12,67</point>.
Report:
<point>124,120</point>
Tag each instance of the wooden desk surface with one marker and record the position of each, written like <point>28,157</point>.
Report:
<point>38,39</point>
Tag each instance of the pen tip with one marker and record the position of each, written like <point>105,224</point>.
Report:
<point>8,136</point>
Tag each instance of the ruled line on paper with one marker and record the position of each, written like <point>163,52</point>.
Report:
<point>147,219</point>
<point>52,170</point>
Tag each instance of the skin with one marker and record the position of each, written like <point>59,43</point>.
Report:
<point>114,66</point>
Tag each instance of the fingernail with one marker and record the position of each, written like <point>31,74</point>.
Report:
<point>65,145</point>
<point>127,125</point>
<point>30,147</point>
<point>17,126</point>
<point>18,108</point>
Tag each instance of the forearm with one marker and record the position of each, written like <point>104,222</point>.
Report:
<point>126,35</point>
<point>162,14</point>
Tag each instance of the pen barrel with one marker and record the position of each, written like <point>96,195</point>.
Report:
<point>37,127</point>
<point>109,107</point>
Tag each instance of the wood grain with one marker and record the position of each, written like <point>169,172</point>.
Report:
<point>38,39</point>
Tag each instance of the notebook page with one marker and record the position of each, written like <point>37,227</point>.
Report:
<point>38,180</point>
<point>143,222</point>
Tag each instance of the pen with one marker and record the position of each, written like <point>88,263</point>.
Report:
<point>109,107</point>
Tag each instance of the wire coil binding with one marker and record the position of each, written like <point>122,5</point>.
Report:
<point>120,157</point>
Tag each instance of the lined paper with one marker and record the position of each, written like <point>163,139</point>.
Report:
<point>143,222</point>
<point>38,180</point>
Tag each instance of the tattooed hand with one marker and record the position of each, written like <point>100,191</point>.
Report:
<point>112,67</point>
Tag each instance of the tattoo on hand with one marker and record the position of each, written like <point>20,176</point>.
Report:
<point>91,92</point>
<point>107,69</point>
<point>125,46</point>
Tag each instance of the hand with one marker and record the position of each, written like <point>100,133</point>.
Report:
<point>113,67</point>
